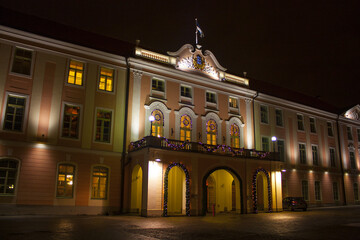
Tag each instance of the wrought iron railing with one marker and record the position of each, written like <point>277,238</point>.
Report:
<point>199,147</point>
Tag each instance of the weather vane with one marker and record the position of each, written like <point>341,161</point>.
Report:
<point>198,31</point>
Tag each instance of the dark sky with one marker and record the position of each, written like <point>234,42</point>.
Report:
<point>309,46</point>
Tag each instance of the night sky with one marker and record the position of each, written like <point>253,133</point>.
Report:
<point>309,46</point>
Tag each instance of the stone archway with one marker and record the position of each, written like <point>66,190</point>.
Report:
<point>263,173</point>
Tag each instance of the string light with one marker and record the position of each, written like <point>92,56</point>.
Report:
<point>254,195</point>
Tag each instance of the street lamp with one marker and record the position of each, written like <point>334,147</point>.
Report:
<point>151,119</point>
<point>273,139</point>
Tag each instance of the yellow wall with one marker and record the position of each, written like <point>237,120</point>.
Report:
<point>136,189</point>
<point>176,191</point>
<point>223,189</point>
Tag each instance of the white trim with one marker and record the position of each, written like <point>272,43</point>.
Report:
<point>186,100</point>
<point>106,199</point>
<point>62,120</point>
<point>188,111</point>
<point>32,62</point>
<point>17,175</point>
<point>74,179</point>
<point>268,113</point>
<point>112,126</point>
<point>237,121</point>
<point>114,80</point>
<point>211,104</point>
<point>303,122</point>
<point>156,93</point>
<point>282,118</point>
<point>216,118</point>
<point>163,108</point>
<point>82,86</point>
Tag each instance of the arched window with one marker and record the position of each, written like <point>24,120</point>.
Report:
<point>8,174</point>
<point>211,131</point>
<point>158,124</point>
<point>235,136</point>
<point>185,128</point>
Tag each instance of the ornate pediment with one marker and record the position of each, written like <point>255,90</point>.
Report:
<point>353,113</point>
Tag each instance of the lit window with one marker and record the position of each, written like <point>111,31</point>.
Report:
<point>264,116</point>
<point>279,118</point>
<point>65,181</point>
<point>233,102</point>
<point>300,121</point>
<point>210,97</point>
<point>103,125</point>
<point>305,189</point>
<point>76,73</point>
<point>99,182</point>
<point>281,149</point>
<point>235,136</point>
<point>71,121</point>
<point>315,155</point>
<point>158,124</point>
<point>356,192</point>
<point>22,61</point>
<point>349,134</point>
<point>332,157</point>
<point>330,129</point>
<point>185,128</point>
<point>335,191</point>
<point>352,160</point>
<point>8,173</point>
<point>186,91</point>
<point>158,85</point>
<point>14,113</point>
<point>317,191</point>
<point>265,144</point>
<point>302,153</point>
<point>312,125</point>
<point>211,132</point>
<point>106,81</point>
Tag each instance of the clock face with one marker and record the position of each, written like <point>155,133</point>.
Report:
<point>199,62</point>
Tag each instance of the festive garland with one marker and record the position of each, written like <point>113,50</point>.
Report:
<point>166,186</point>
<point>254,195</point>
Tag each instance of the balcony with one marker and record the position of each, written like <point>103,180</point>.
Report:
<point>198,147</point>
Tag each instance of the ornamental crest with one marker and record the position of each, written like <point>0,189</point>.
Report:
<point>353,113</point>
<point>199,62</point>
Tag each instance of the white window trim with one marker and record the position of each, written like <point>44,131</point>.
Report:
<point>74,183</point>
<point>232,109</point>
<point>67,74</point>
<point>303,122</point>
<point>241,125</point>
<point>17,176</point>
<point>330,156</point>
<point>317,153</point>
<point>210,104</point>
<point>277,147</point>
<point>282,118</point>
<point>314,125</point>
<point>25,112</point>
<point>12,62</point>
<point>269,141</point>
<point>62,121</point>
<point>306,157</point>
<point>94,201</point>
<point>112,126</point>
<point>163,108</point>
<point>267,110</point>
<point>216,118</point>
<point>192,115</point>
<point>184,99</point>
<point>155,93</point>
<point>113,92</point>
<point>332,129</point>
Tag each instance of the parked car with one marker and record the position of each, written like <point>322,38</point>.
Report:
<point>292,203</point>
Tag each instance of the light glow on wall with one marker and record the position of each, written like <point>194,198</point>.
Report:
<point>276,184</point>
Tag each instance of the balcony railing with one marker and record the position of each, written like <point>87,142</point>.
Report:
<point>198,147</point>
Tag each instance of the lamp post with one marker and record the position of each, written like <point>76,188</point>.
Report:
<point>151,119</point>
<point>273,139</point>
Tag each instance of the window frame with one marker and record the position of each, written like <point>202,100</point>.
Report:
<point>282,155</point>
<point>312,122</point>
<point>156,92</point>
<point>25,117</point>
<point>262,143</point>
<point>336,196</point>
<point>111,125</point>
<point>330,128</point>
<point>277,110</point>
<point>74,180</point>
<point>31,65</point>
<point>186,129</point>
<point>212,133</point>
<point>305,157</point>
<point>332,161</point>
<point>83,75</point>
<point>352,160</point>
<point>356,191</point>
<point>113,81</point>
<point>62,121</point>
<point>16,180</point>
<point>349,133</point>
<point>264,118</point>
<point>215,98</point>
<point>231,108</point>
<point>315,154</point>
<point>305,194</point>
<point>300,122</point>
<point>317,191</point>
<point>107,182</point>
<point>234,138</point>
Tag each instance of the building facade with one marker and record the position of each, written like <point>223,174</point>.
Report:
<point>88,131</point>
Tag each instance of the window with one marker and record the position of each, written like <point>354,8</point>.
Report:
<point>99,182</point>
<point>233,102</point>
<point>312,125</point>
<point>352,160</point>
<point>158,85</point>
<point>358,134</point>
<point>235,136</point>
<point>71,121</point>
<point>264,117</point>
<point>22,61</point>
<point>65,181</point>
<point>103,125</point>
<point>315,155</point>
<point>265,144</point>
<point>8,174</point>
<point>210,97</point>
<point>14,113</point>
<point>186,91</point>
<point>336,191</point>
<point>185,128</point>
<point>349,134</point>
<point>302,153</point>
<point>279,118</point>
<point>76,73</point>
<point>332,157</point>
<point>158,124</point>
<point>106,81</point>
<point>211,132</point>
<point>317,191</point>
<point>305,189</point>
<point>281,149</point>
<point>330,129</point>
<point>356,192</point>
<point>300,121</point>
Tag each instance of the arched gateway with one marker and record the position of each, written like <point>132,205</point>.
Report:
<point>261,190</point>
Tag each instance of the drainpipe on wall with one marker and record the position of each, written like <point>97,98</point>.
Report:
<point>124,150</point>
<point>341,162</point>
<point>256,95</point>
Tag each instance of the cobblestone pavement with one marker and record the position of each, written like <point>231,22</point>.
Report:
<point>325,223</point>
